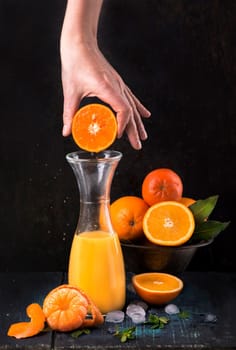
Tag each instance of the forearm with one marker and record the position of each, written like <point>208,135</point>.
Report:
<point>86,73</point>
<point>81,21</point>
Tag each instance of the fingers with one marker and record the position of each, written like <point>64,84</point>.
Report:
<point>119,104</point>
<point>143,111</point>
<point>137,107</point>
<point>129,112</point>
<point>130,120</point>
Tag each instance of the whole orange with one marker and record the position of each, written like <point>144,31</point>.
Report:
<point>127,217</point>
<point>187,201</point>
<point>160,185</point>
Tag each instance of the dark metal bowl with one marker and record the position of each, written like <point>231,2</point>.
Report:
<point>145,258</point>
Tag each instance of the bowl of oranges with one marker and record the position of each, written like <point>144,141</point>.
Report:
<point>161,230</point>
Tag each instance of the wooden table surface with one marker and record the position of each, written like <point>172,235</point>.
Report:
<point>204,293</point>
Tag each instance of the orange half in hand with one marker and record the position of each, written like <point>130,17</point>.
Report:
<point>168,223</point>
<point>157,288</point>
<point>94,127</point>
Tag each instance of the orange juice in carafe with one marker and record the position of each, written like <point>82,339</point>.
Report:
<point>96,266</point>
<point>96,261</point>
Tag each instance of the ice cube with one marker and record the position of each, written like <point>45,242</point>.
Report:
<point>210,318</point>
<point>134,308</point>
<point>136,313</point>
<point>116,316</point>
<point>172,309</point>
<point>138,317</point>
<point>141,303</point>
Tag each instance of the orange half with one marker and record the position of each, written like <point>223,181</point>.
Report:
<point>94,127</point>
<point>168,223</point>
<point>157,288</point>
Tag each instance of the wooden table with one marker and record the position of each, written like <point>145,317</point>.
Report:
<point>204,293</point>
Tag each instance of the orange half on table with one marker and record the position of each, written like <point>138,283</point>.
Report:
<point>94,127</point>
<point>156,287</point>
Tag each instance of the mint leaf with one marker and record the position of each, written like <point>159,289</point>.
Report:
<point>164,319</point>
<point>184,314</point>
<point>123,338</point>
<point>79,332</point>
<point>125,334</point>
<point>202,208</point>
<point>208,230</point>
<point>156,321</point>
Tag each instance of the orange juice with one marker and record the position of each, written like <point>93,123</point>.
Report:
<point>96,266</point>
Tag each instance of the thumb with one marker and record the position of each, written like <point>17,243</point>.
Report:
<point>70,107</point>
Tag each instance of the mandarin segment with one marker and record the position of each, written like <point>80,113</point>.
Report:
<point>168,223</point>
<point>94,127</point>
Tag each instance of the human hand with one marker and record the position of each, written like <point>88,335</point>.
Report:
<point>86,73</point>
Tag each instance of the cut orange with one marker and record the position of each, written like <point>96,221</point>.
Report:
<point>28,329</point>
<point>66,308</point>
<point>157,288</point>
<point>94,127</point>
<point>187,201</point>
<point>168,223</point>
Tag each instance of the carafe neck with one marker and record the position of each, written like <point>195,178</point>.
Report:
<point>94,174</point>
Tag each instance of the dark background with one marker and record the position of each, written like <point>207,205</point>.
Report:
<point>178,57</point>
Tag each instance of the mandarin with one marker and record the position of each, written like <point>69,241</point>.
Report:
<point>66,308</point>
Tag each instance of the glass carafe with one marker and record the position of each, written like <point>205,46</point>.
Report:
<point>96,261</point>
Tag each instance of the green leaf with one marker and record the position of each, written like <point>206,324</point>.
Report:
<point>164,319</point>
<point>79,332</point>
<point>184,314</point>
<point>152,318</point>
<point>208,230</point>
<point>155,326</point>
<point>123,338</point>
<point>156,321</point>
<point>125,334</point>
<point>202,208</point>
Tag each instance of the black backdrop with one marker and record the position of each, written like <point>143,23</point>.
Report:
<point>178,56</point>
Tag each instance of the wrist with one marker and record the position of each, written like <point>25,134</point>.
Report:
<point>72,39</point>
